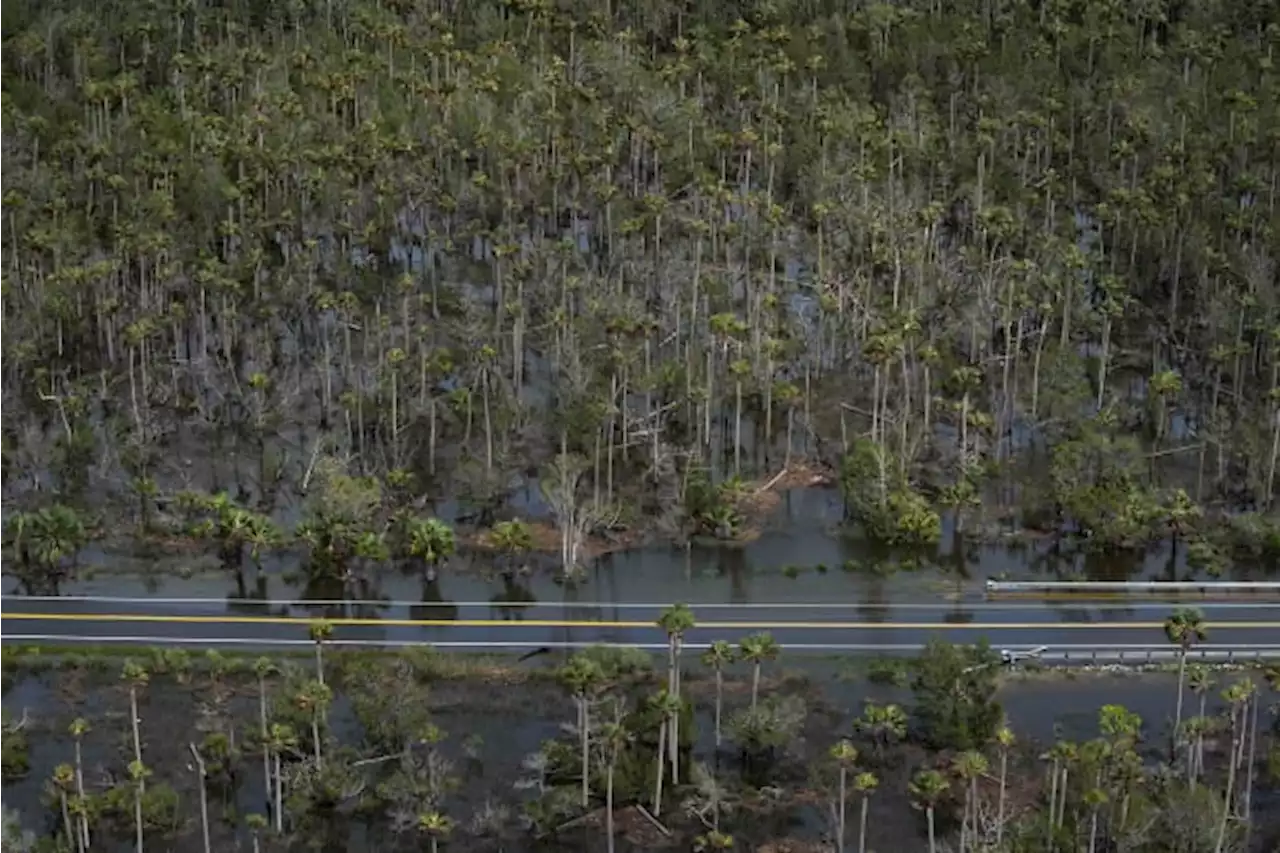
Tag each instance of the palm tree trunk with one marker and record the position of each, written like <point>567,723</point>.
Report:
<point>1177,714</point>
<point>755,685</point>
<point>73,837</point>
<point>657,788</point>
<point>137,815</point>
<point>844,777</point>
<point>1004,778</point>
<point>1231,783</point>
<point>279,795</point>
<point>315,735</point>
<point>933,843</point>
<point>266,738</point>
<point>84,818</point>
<point>608,803</point>
<point>204,815</point>
<point>586,753</point>
<point>862,826</point>
<point>137,733</point>
<point>719,703</point>
<point>1053,803</point>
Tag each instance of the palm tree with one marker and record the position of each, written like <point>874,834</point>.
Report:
<point>255,823</point>
<point>926,789</point>
<point>313,699</point>
<point>203,781</point>
<point>512,540</point>
<point>713,840</point>
<point>435,826</point>
<point>864,783</point>
<point>431,541</point>
<point>845,755</point>
<point>614,737</point>
<point>1200,680</point>
<point>320,631</point>
<point>582,675</point>
<point>1095,798</point>
<point>675,621</point>
<point>664,704</point>
<point>969,765</point>
<point>1237,697</point>
<point>136,678</point>
<point>719,655</point>
<point>756,649</point>
<point>883,724</point>
<point>282,739</point>
<point>62,783</point>
<point>262,668</point>
<point>1184,628</point>
<point>78,729</point>
<point>1005,740</point>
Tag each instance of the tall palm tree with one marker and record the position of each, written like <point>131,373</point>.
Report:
<point>313,699</point>
<point>136,678</point>
<point>970,766</point>
<point>262,669</point>
<point>202,777</point>
<point>1185,627</point>
<point>719,655</point>
<point>845,755</point>
<point>756,649</point>
<point>865,783</point>
<point>675,621</point>
<point>1237,697</point>
<point>664,704</point>
<point>282,739</point>
<point>1005,740</point>
<point>614,737</point>
<point>926,789</point>
<point>63,783</point>
<point>582,675</point>
<point>1094,799</point>
<point>1200,680</point>
<point>78,729</point>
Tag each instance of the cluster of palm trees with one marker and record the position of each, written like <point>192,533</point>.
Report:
<point>375,228</point>
<point>633,735</point>
<point>588,682</point>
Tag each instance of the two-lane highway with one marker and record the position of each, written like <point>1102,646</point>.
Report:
<point>480,625</point>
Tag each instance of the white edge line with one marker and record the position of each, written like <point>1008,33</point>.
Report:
<point>607,605</point>
<point>1111,650</point>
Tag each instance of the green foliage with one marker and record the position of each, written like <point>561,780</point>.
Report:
<point>15,762</point>
<point>232,528</point>
<point>890,509</point>
<point>713,509</point>
<point>954,689</point>
<point>42,545</point>
<point>1097,480</point>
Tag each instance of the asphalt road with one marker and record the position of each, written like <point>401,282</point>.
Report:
<point>1009,625</point>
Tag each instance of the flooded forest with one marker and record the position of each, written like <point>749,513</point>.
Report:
<point>323,292</point>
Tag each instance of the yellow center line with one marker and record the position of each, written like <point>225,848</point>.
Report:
<point>232,619</point>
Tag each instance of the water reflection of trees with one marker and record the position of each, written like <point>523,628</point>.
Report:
<point>434,607</point>
<point>512,601</point>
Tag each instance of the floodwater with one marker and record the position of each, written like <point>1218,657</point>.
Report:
<point>802,555</point>
<point>488,736</point>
